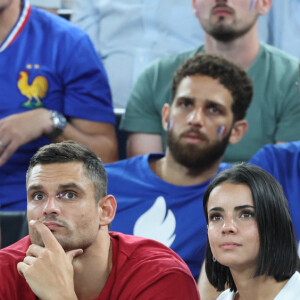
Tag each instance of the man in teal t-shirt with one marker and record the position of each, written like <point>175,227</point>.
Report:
<point>231,30</point>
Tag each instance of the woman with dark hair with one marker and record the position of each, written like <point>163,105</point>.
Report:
<point>251,245</point>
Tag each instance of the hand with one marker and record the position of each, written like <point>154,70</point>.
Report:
<point>19,129</point>
<point>49,271</point>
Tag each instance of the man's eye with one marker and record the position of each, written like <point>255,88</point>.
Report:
<point>185,103</point>
<point>38,197</point>
<point>69,195</point>
<point>214,109</point>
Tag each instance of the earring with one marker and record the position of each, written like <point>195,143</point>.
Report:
<point>214,259</point>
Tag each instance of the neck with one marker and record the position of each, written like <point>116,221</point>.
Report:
<point>242,50</point>
<point>92,268</point>
<point>172,172</point>
<point>8,17</point>
<point>259,288</point>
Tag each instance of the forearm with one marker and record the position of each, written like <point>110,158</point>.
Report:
<point>102,141</point>
<point>143,143</point>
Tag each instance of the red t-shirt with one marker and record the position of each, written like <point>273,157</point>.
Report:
<point>142,269</point>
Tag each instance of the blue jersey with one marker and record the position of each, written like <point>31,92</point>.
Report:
<point>48,52</point>
<point>149,207</point>
<point>283,162</point>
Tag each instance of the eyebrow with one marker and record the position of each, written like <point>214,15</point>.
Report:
<point>237,208</point>
<point>37,187</point>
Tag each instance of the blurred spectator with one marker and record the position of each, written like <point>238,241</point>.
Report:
<point>231,30</point>
<point>53,88</point>
<point>129,35</point>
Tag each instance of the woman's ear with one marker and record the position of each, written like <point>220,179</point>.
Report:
<point>107,207</point>
<point>165,116</point>
<point>238,131</point>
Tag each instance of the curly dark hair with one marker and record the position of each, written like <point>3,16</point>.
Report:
<point>230,75</point>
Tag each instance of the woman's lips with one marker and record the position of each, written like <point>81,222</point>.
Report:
<point>229,246</point>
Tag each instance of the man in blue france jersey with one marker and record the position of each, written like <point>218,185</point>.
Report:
<point>53,87</point>
<point>160,195</point>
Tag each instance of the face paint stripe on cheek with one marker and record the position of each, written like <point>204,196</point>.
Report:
<point>170,124</point>
<point>221,132</point>
<point>253,4</point>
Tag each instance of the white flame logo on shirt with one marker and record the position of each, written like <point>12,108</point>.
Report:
<point>157,223</point>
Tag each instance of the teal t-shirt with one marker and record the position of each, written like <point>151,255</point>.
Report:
<point>273,115</point>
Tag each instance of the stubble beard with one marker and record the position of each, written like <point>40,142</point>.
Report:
<point>227,32</point>
<point>68,241</point>
<point>195,158</point>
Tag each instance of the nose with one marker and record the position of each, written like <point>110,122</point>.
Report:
<point>229,226</point>
<point>51,207</point>
<point>195,117</point>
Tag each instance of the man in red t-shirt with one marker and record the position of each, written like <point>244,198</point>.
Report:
<point>69,253</point>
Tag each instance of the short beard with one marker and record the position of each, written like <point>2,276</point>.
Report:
<point>197,160</point>
<point>227,33</point>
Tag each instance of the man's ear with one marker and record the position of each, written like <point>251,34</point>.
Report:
<point>238,131</point>
<point>264,6</point>
<point>165,112</point>
<point>107,207</point>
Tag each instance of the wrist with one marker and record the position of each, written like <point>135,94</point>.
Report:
<point>58,124</point>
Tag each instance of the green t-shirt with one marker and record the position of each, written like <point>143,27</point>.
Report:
<point>273,115</point>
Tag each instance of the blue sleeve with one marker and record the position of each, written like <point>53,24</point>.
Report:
<point>87,92</point>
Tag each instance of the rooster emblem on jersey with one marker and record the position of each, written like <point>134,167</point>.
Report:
<point>36,91</point>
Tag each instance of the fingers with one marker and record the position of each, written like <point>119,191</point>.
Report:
<point>73,253</point>
<point>35,250</point>
<point>48,238</point>
<point>22,268</point>
<point>7,152</point>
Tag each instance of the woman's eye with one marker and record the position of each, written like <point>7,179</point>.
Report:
<point>215,217</point>
<point>38,197</point>
<point>247,214</point>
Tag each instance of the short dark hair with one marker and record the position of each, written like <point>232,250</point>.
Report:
<point>70,151</point>
<point>230,75</point>
<point>277,255</point>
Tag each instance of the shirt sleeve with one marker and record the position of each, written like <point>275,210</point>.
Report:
<point>141,114</point>
<point>262,159</point>
<point>174,285</point>
<point>87,92</point>
<point>288,126</point>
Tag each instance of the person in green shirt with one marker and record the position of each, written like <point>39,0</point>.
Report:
<point>231,30</point>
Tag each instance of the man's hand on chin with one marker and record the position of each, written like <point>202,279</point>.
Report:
<point>49,270</point>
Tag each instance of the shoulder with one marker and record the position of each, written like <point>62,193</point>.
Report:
<point>12,284</point>
<point>15,252</point>
<point>169,63</point>
<point>279,57</point>
<point>291,289</point>
<point>51,24</point>
<point>226,295</point>
<point>151,269</point>
<point>286,151</point>
<point>125,165</point>
<point>146,251</point>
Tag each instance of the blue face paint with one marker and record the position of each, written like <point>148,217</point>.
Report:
<point>59,195</point>
<point>221,131</point>
<point>170,124</point>
<point>252,4</point>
